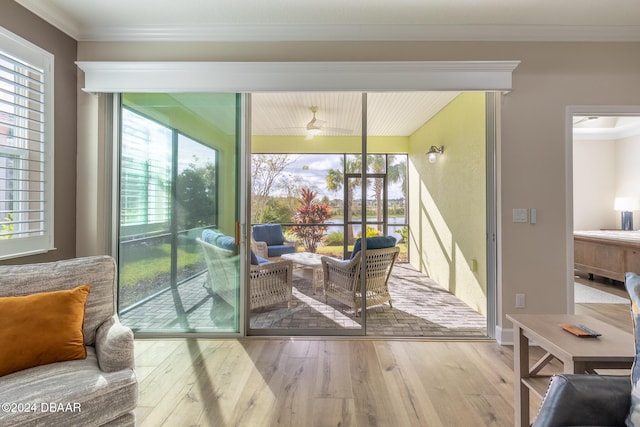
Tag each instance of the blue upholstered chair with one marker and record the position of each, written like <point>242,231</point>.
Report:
<point>268,241</point>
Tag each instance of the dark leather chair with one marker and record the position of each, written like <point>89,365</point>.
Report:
<point>585,400</point>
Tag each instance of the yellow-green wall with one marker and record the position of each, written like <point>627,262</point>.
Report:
<point>447,199</point>
<point>328,144</point>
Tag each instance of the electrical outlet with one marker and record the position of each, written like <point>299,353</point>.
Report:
<point>519,300</point>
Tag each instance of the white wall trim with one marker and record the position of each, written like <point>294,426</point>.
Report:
<point>297,76</point>
<point>581,110</point>
<point>504,336</point>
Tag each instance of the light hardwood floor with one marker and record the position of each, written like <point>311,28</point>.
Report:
<point>332,382</point>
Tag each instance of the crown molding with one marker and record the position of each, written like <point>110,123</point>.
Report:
<point>256,32</point>
<point>364,32</point>
<point>296,76</point>
<point>52,14</point>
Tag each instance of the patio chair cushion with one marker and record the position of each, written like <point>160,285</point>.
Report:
<point>210,236</point>
<point>271,234</point>
<point>218,239</point>
<point>257,260</point>
<point>278,250</point>
<point>377,242</point>
<point>632,283</point>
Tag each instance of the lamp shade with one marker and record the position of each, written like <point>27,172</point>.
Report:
<point>626,204</point>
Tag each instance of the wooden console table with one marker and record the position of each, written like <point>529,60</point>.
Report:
<point>615,349</point>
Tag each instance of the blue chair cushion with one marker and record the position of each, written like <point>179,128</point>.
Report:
<point>271,234</point>
<point>377,242</point>
<point>277,250</point>
<point>218,239</point>
<point>256,260</point>
<point>210,236</point>
<point>226,242</point>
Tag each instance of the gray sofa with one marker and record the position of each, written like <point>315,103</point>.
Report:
<point>99,390</point>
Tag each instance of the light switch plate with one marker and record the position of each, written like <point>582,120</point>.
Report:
<point>520,215</point>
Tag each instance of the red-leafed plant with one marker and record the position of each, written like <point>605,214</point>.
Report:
<point>308,214</point>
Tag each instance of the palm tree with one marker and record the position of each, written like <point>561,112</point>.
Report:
<point>398,172</point>
<point>376,164</point>
<point>335,181</point>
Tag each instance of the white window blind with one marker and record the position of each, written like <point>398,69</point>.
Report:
<point>26,146</point>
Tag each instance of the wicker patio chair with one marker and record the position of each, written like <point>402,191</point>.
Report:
<point>269,283</point>
<point>342,278</point>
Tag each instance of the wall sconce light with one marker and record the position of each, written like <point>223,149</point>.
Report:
<point>434,152</point>
<point>626,205</point>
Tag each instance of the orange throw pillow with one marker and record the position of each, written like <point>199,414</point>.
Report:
<point>42,328</point>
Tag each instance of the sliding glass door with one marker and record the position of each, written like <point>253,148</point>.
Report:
<point>178,249</point>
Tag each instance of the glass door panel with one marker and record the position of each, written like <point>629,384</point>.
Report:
<point>303,146</point>
<point>178,253</point>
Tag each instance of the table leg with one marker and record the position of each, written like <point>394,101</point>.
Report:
<point>573,367</point>
<point>318,278</point>
<point>521,370</point>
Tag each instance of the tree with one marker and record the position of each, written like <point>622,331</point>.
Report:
<point>397,171</point>
<point>335,181</point>
<point>376,163</point>
<point>196,196</point>
<point>310,212</point>
<point>266,169</point>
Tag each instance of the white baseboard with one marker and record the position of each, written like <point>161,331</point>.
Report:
<point>504,336</point>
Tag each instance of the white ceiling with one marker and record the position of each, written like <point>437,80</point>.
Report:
<point>304,20</point>
<point>388,114</point>
<point>605,127</point>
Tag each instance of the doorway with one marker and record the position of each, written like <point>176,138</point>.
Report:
<point>605,147</point>
<point>430,227</point>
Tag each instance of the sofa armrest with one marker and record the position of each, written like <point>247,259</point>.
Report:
<point>594,400</point>
<point>114,346</point>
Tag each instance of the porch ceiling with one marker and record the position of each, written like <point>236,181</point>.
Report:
<point>389,114</point>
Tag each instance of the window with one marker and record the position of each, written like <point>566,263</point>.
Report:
<point>26,147</point>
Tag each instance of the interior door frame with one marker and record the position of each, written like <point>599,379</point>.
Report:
<point>570,112</point>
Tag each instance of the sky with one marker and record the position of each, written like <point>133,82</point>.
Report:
<point>310,170</point>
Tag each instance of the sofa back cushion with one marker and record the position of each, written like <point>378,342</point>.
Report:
<point>271,234</point>
<point>42,328</point>
<point>377,242</point>
<point>97,271</point>
<point>632,283</point>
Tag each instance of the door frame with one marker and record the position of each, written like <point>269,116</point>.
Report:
<point>244,77</point>
<point>570,112</point>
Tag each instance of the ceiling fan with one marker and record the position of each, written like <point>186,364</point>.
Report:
<point>317,126</point>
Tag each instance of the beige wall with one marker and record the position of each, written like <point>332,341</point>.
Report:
<point>447,200</point>
<point>533,164</point>
<point>628,174</point>
<point>26,25</point>
<point>602,171</point>
<point>594,184</point>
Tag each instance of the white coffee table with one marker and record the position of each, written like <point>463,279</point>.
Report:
<point>311,261</point>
